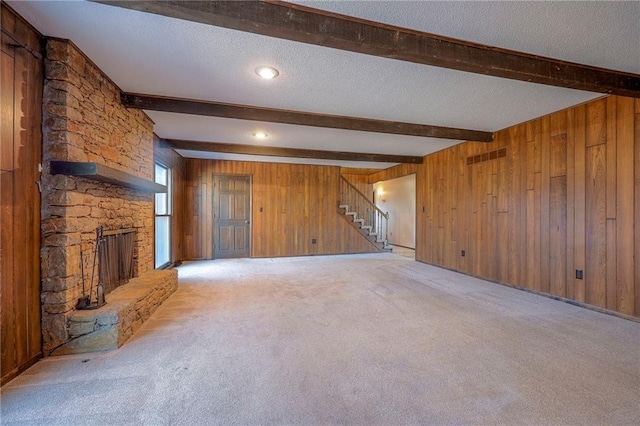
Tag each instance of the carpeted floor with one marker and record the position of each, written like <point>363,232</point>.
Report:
<point>363,340</point>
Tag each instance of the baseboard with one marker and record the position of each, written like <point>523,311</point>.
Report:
<point>398,245</point>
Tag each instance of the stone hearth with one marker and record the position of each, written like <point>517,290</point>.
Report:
<point>127,308</point>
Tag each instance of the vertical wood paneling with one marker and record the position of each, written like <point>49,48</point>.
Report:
<point>33,127</point>
<point>393,172</point>
<point>561,200</point>
<point>532,275</point>
<point>291,205</point>
<point>596,255</point>
<point>361,182</point>
<point>502,250</point>
<point>637,209</point>
<point>596,128</point>
<point>571,200</point>
<point>558,155</point>
<point>20,153</point>
<point>579,201</point>
<point>545,184</point>
<point>515,212</point>
<point>7,89</point>
<point>538,273</point>
<point>22,205</point>
<point>558,227</point>
<point>625,205</point>
<point>612,246</point>
<point>612,267</point>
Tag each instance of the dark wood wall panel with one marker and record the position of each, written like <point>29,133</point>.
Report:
<point>291,205</point>
<point>20,153</point>
<point>564,198</point>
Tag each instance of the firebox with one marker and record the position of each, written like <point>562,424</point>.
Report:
<point>113,259</point>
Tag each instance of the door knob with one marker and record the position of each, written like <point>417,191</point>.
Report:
<point>246,221</point>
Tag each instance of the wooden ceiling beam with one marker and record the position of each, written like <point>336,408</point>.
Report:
<point>313,26</point>
<point>272,151</point>
<point>245,112</point>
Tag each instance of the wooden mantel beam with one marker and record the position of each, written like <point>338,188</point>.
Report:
<point>308,25</point>
<point>289,152</point>
<point>245,112</point>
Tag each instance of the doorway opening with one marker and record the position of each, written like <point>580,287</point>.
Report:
<point>398,198</point>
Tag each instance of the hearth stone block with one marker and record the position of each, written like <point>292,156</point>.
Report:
<point>127,308</point>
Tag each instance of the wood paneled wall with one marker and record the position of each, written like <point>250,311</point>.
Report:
<point>291,205</point>
<point>566,197</point>
<point>361,182</point>
<point>364,181</point>
<point>20,153</point>
<point>170,158</point>
<point>394,172</point>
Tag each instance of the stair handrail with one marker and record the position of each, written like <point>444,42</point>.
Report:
<point>386,215</point>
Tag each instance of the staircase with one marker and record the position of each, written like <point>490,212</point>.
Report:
<point>364,216</point>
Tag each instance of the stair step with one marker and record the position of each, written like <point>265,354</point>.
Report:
<point>366,230</point>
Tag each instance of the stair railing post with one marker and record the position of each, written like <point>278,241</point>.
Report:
<point>386,227</point>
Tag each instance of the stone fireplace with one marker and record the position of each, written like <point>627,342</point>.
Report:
<point>84,122</point>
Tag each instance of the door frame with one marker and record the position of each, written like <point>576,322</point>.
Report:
<point>213,205</point>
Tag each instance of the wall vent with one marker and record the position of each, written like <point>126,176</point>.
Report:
<point>498,153</point>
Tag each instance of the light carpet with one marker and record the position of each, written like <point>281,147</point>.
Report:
<point>372,339</point>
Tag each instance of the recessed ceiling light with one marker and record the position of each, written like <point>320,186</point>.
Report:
<point>267,73</point>
<point>260,135</point>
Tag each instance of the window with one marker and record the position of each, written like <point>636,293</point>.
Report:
<point>163,217</point>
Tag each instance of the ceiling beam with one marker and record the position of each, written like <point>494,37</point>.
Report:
<point>272,151</point>
<point>245,112</point>
<point>313,26</point>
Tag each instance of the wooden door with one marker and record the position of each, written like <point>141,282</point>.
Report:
<point>20,154</point>
<point>232,216</point>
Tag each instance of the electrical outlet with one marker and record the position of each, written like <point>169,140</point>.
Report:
<point>579,274</point>
<point>463,253</point>
<point>313,241</point>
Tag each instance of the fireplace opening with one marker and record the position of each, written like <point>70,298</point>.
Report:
<point>113,259</point>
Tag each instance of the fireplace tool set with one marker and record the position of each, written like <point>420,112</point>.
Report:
<point>113,256</point>
<point>85,301</point>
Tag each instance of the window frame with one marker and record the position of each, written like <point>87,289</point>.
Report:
<point>168,212</point>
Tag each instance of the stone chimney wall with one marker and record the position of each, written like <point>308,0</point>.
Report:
<point>84,121</point>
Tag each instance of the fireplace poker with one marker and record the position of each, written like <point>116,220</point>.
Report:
<point>90,305</point>
<point>85,300</point>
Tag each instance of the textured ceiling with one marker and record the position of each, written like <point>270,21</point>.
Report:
<point>599,33</point>
<point>151,54</point>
